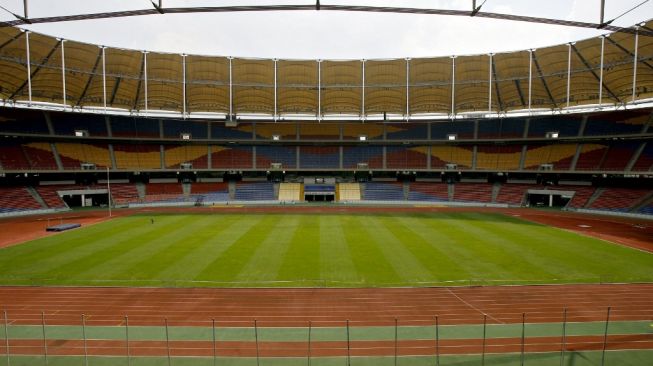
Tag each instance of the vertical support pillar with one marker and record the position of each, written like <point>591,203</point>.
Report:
<point>348,346</point>
<point>45,338</point>
<point>104,78</point>
<point>63,73</point>
<point>530,79</point>
<point>145,78</point>
<point>29,69</point>
<point>319,90</point>
<point>605,337</point>
<point>363,92</point>
<point>601,71</point>
<point>563,340</point>
<point>231,89</point>
<point>308,352</point>
<point>407,89</point>
<point>489,89</point>
<point>215,355</point>
<point>635,61</point>
<point>84,340</point>
<point>127,340</point>
<point>275,87</point>
<point>453,87</point>
<point>568,71</point>
<point>256,339</point>
<point>25,9</point>
<point>437,341</point>
<point>183,91</point>
<point>8,354</point>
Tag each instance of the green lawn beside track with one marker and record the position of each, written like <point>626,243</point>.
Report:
<point>343,250</point>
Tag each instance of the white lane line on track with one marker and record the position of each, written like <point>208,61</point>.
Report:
<point>474,307</point>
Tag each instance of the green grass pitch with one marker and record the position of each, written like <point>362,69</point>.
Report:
<point>346,250</point>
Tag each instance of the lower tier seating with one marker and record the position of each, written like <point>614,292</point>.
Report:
<point>14,199</point>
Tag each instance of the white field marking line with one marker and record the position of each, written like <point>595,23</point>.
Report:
<point>473,307</point>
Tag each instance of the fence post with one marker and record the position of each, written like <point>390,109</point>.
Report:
<point>484,332</point>
<point>256,338</point>
<point>309,342</point>
<point>396,341</point>
<point>523,336</point>
<point>84,339</point>
<point>127,339</point>
<point>563,342</point>
<point>213,337</point>
<point>605,336</point>
<point>348,346</point>
<point>7,337</point>
<point>167,340</point>
<point>437,341</point>
<point>45,340</point>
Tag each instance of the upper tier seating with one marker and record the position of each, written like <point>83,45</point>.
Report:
<point>645,161</point>
<point>618,156</point>
<point>23,121</point>
<point>122,126</point>
<point>40,156</point>
<point>353,131</point>
<point>501,128</point>
<point>566,126</point>
<point>266,155</point>
<point>13,199</point>
<point>175,127</point>
<point>136,157</point>
<point>237,157</point>
<point>285,131</point>
<point>558,155</point>
<point>490,157</point>
<point>391,191</point>
<point>67,123</point>
<point>260,191</point>
<point>319,157</point>
<point>12,156</point>
<point>175,155</point>
<point>322,131</point>
<point>591,156</point>
<point>353,155</point>
<point>463,129</point>
<point>399,157</point>
<point>460,155</point>
<point>72,155</point>
<point>406,131</point>
<point>428,191</point>
<point>616,123</point>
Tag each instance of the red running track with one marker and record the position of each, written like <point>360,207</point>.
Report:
<point>326,307</point>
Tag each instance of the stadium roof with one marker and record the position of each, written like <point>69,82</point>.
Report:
<point>596,71</point>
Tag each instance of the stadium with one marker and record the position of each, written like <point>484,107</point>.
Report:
<point>162,208</point>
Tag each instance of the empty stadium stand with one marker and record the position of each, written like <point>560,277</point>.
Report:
<point>51,197</point>
<point>581,197</point>
<point>349,192</point>
<point>123,193</point>
<point>378,191</point>
<point>618,199</point>
<point>16,199</point>
<point>512,193</point>
<point>290,192</point>
<point>428,191</point>
<point>164,192</point>
<point>472,192</point>
<point>255,191</point>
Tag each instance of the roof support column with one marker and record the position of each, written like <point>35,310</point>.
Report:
<point>489,88</point>
<point>104,79</point>
<point>29,70</point>
<point>407,89</point>
<point>63,73</point>
<point>601,71</point>
<point>363,92</point>
<point>453,87</point>
<point>25,9</point>
<point>635,63</point>
<point>275,89</point>
<point>145,78</point>
<point>319,90</point>
<point>183,90</point>
<point>530,79</point>
<point>568,72</point>
<point>231,89</point>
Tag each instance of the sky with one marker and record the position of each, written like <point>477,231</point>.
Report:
<point>328,34</point>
